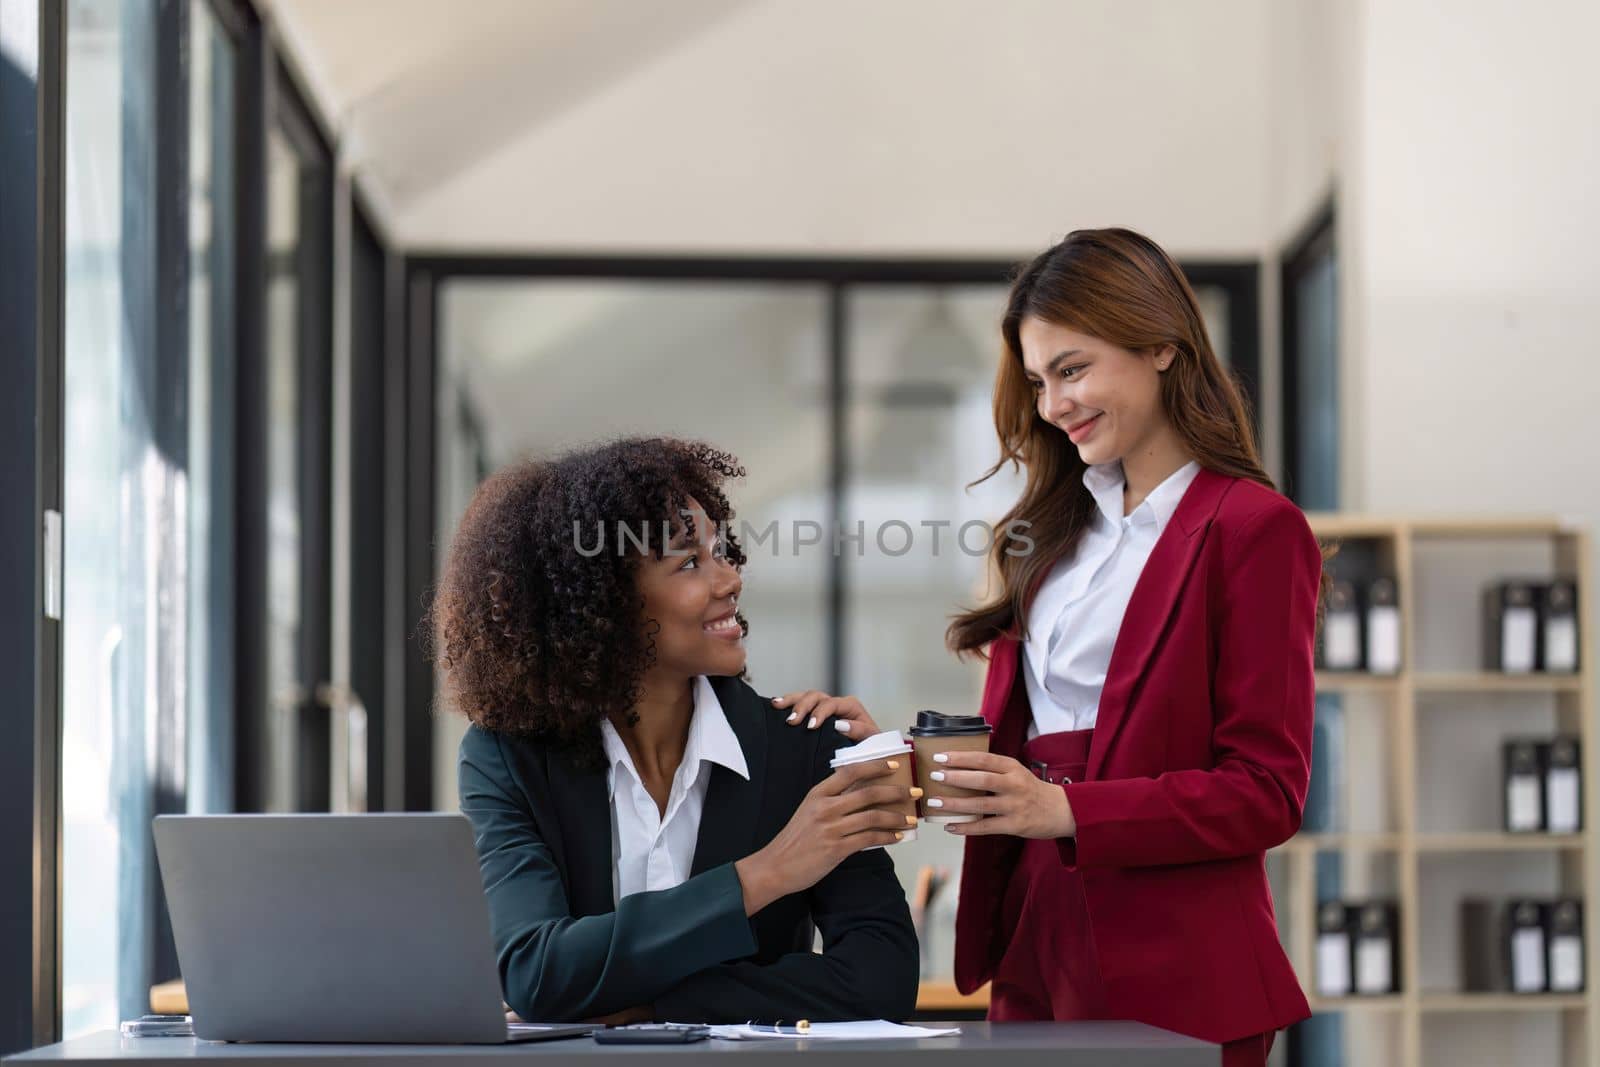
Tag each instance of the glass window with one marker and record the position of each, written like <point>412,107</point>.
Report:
<point>147,617</point>
<point>921,378</point>
<point>285,695</point>
<point>211,410</point>
<point>1214,301</point>
<point>123,494</point>
<point>288,718</point>
<point>1316,375</point>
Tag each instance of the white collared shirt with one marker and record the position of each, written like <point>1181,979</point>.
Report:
<point>654,851</point>
<point>1074,619</point>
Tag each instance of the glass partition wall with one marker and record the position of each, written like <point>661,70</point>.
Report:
<point>147,477</point>
<point>860,406</point>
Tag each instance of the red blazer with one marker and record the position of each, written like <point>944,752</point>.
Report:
<point>1199,764</point>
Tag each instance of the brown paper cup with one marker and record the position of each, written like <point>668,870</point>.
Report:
<point>901,777</point>
<point>924,749</point>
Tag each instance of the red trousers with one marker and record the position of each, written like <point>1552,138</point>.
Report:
<point>1050,969</point>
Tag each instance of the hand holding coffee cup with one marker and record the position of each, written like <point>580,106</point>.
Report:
<point>1002,797</point>
<point>892,752</point>
<point>858,807</point>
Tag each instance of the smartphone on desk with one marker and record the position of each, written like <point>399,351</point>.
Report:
<point>652,1034</point>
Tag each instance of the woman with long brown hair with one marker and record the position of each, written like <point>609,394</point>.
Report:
<point>1150,676</point>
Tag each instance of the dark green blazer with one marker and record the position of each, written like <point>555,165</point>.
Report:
<point>567,952</point>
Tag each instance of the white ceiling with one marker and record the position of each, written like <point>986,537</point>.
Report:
<point>941,127</point>
<point>423,90</point>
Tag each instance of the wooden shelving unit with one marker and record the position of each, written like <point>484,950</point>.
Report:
<point>1407,847</point>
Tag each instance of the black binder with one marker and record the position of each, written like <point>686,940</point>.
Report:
<point>1503,946</point>
<point>1511,628</point>
<point>1383,627</point>
<point>1564,941</point>
<point>1377,948</point>
<point>1559,640</point>
<point>1563,785</point>
<point>1340,645</point>
<point>1523,787</point>
<point>1335,952</point>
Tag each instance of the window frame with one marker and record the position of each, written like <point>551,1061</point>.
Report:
<point>427,272</point>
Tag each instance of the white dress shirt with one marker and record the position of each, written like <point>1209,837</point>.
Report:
<point>654,851</point>
<point>1074,619</point>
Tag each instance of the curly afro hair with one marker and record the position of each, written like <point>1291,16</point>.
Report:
<point>536,638</point>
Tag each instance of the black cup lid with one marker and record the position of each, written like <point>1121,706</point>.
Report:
<point>937,724</point>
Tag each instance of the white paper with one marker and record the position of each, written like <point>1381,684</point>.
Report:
<point>1527,960</point>
<point>1561,784</point>
<point>1522,802</point>
<point>1374,965</point>
<point>867,1030</point>
<point>1383,640</point>
<point>1561,644</point>
<point>1566,964</point>
<point>1341,635</point>
<point>1333,965</point>
<point>1516,640</point>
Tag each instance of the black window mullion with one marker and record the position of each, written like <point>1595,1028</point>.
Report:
<point>32,175</point>
<point>314,257</point>
<point>250,426</point>
<point>838,384</point>
<point>367,549</point>
<point>420,509</point>
<point>1310,247</point>
<point>168,394</point>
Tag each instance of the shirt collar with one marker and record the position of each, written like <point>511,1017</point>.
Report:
<point>1105,481</point>
<point>711,739</point>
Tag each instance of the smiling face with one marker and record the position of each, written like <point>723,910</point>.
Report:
<point>691,594</point>
<point>1106,399</point>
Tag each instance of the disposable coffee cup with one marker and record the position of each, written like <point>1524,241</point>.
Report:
<point>935,733</point>
<point>880,748</point>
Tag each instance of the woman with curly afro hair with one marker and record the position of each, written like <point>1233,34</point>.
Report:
<point>652,846</point>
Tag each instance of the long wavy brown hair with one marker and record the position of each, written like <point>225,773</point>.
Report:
<point>1121,287</point>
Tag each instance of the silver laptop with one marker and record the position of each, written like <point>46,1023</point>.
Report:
<point>357,928</point>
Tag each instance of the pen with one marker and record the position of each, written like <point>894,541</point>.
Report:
<point>799,1029</point>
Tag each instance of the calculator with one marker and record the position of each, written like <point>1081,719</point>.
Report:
<point>652,1034</point>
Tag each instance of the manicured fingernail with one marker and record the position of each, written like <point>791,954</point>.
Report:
<point>941,757</point>
<point>777,700</point>
<point>793,716</point>
<point>842,725</point>
<point>812,725</point>
<point>898,836</point>
<point>916,793</point>
<point>911,820</point>
<point>937,776</point>
<point>935,802</point>
<point>894,765</point>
